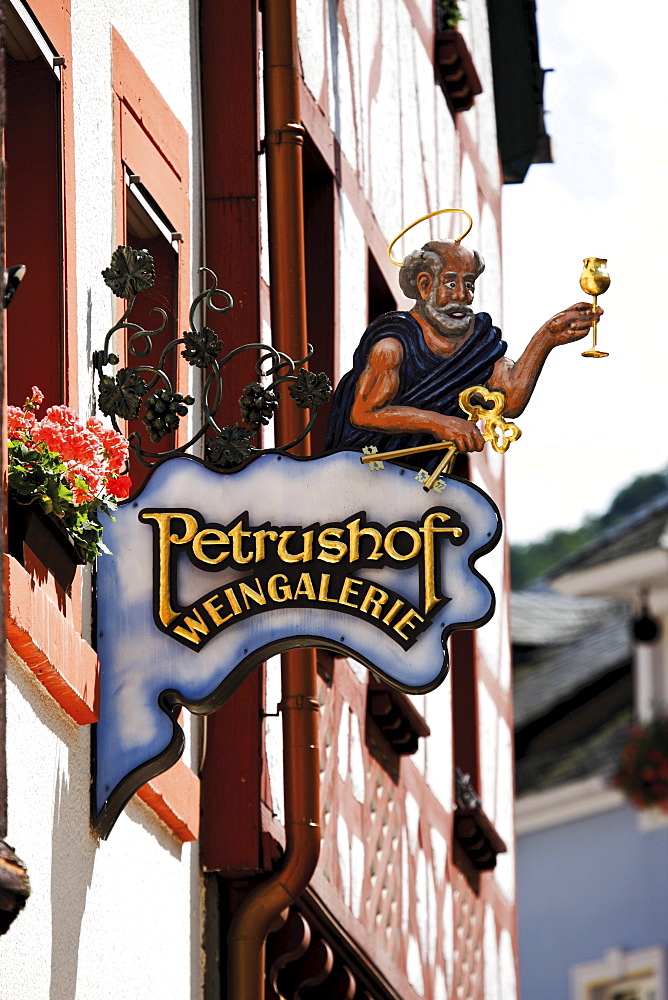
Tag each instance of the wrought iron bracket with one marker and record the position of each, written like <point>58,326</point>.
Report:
<point>124,393</point>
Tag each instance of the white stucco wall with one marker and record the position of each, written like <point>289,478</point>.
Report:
<point>119,918</point>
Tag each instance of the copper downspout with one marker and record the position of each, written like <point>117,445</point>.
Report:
<point>262,907</point>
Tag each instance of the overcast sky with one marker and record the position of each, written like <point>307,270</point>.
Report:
<point>592,424</point>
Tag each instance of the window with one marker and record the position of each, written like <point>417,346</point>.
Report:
<point>379,297</point>
<point>639,989</point>
<point>476,842</point>
<point>319,250</point>
<point>146,228</point>
<point>33,206</point>
<point>153,213</point>
<point>621,975</point>
<point>465,704</point>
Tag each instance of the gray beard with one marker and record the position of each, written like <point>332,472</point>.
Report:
<point>445,324</point>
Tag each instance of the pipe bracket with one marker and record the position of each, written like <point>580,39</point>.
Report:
<point>290,132</point>
<point>299,701</point>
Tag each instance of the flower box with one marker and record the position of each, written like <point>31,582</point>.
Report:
<point>642,771</point>
<point>29,525</point>
<point>455,68</point>
<point>61,474</point>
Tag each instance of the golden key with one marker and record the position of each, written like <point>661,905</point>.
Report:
<point>499,432</point>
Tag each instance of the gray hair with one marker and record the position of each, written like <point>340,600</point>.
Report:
<point>429,259</point>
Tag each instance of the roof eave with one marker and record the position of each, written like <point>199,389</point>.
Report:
<point>621,578</point>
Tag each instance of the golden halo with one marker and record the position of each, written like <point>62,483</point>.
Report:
<point>440,211</point>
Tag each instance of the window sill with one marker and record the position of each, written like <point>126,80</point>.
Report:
<point>477,838</point>
<point>174,798</point>
<point>476,842</point>
<point>393,725</point>
<point>40,630</point>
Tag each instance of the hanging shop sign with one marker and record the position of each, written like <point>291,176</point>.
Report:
<point>368,551</point>
<point>213,573</point>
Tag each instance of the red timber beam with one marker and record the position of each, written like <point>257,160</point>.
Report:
<point>230,117</point>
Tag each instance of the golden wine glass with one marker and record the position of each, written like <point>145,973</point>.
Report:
<point>594,280</point>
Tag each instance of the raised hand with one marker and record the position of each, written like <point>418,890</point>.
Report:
<point>571,324</point>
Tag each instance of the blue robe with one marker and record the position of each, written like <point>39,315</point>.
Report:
<point>428,381</point>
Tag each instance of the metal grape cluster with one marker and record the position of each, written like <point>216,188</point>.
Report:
<point>123,394</point>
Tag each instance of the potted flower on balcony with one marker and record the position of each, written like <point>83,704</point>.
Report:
<point>448,15</point>
<point>642,771</point>
<point>61,474</point>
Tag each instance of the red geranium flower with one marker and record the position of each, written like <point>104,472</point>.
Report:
<point>120,487</point>
<point>642,772</point>
<point>72,470</point>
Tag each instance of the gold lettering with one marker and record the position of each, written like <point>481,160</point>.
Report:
<point>256,595</point>
<point>211,546</point>
<point>356,533</point>
<point>428,530</point>
<point>259,537</point>
<point>232,598</point>
<point>392,613</point>
<point>305,587</point>
<point>370,598</point>
<point>407,622</point>
<point>237,535</point>
<point>213,610</point>
<point>348,591</point>
<point>191,626</point>
<point>273,588</point>
<point>324,590</point>
<point>389,542</point>
<point>306,555</point>
<point>327,543</point>
<point>210,536</point>
<point>165,540</point>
